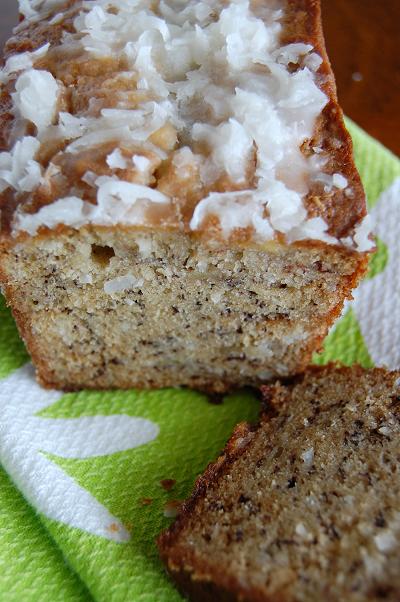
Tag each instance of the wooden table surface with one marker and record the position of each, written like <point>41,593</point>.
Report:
<point>362,37</point>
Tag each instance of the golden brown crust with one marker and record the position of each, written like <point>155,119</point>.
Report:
<point>303,23</point>
<point>34,34</point>
<point>197,580</point>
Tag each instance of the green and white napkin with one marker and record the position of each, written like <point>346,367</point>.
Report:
<point>89,478</point>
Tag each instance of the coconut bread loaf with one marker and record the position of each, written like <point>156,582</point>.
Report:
<point>179,202</point>
<point>304,507</point>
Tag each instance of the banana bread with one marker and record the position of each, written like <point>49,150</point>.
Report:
<point>306,506</point>
<point>179,202</point>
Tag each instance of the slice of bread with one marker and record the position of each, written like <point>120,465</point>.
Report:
<point>303,507</point>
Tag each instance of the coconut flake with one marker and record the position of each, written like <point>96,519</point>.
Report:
<point>122,283</point>
<point>202,265</point>
<point>230,146</point>
<point>58,18</point>
<point>339,181</point>
<point>330,181</point>
<point>69,211</point>
<point>301,531</point>
<point>86,279</point>
<point>216,296</point>
<point>35,9</point>
<point>118,202</point>
<point>18,168</point>
<point>21,62</point>
<point>36,97</point>
<point>90,178</point>
<point>185,162</point>
<point>131,125</point>
<point>291,53</point>
<point>362,235</point>
<point>308,456</point>
<point>246,36</point>
<point>312,229</point>
<point>145,246</point>
<point>71,126</point>
<point>234,210</point>
<point>385,541</point>
<point>141,163</point>
<point>116,160</point>
<point>313,61</point>
<point>284,216</point>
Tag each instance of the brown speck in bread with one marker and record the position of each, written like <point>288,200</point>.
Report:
<point>146,501</point>
<point>336,536</point>
<point>380,521</point>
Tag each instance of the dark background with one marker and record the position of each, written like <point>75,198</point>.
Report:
<point>363,43</point>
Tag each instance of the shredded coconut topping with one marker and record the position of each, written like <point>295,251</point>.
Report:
<point>20,62</point>
<point>141,163</point>
<point>116,160</point>
<point>35,98</point>
<point>35,9</point>
<point>234,210</point>
<point>209,73</point>
<point>18,167</point>
<point>117,203</point>
<point>362,235</point>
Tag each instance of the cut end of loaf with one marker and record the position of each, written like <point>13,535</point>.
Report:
<point>303,507</point>
<point>111,308</point>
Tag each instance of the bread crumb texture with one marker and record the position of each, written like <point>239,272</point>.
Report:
<point>119,308</point>
<point>305,507</point>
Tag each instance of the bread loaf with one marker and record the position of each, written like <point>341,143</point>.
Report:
<point>179,201</point>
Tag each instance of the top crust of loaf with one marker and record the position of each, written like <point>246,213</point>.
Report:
<point>342,208</point>
<point>304,22</point>
<point>201,579</point>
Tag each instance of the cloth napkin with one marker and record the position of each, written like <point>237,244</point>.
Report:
<point>89,479</point>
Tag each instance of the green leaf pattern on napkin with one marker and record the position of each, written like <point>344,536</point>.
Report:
<point>112,450</point>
